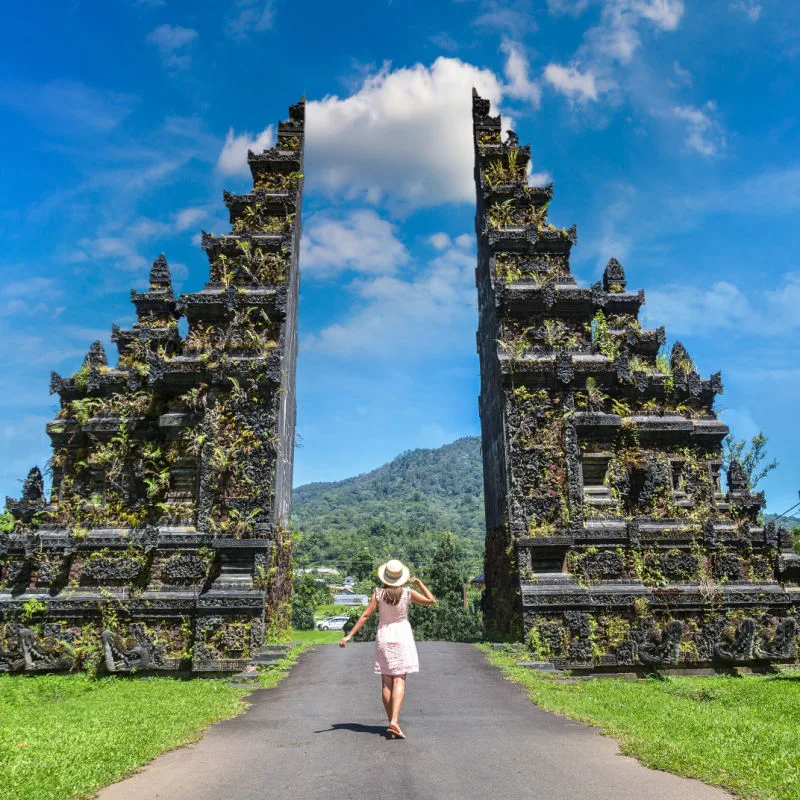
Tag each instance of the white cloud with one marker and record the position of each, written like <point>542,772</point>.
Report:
<point>573,7</point>
<point>666,14</point>
<point>681,75</point>
<point>704,134</point>
<point>750,8</point>
<point>570,81</point>
<point>233,157</point>
<point>171,41</point>
<point>405,135</point>
<point>413,318</point>
<point>251,16</point>
<point>441,241</point>
<point>616,38</point>
<point>361,242</point>
<point>515,17</point>
<point>516,68</point>
<point>114,251</point>
<point>539,178</point>
<point>146,228</point>
<point>444,41</point>
<point>690,309</point>
<point>188,218</point>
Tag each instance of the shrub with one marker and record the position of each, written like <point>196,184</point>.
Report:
<point>302,617</point>
<point>446,621</point>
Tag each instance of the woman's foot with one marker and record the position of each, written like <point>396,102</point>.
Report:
<point>394,730</point>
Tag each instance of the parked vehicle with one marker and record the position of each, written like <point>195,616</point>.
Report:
<point>332,624</point>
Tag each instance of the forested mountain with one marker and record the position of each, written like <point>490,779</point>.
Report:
<point>398,511</point>
<point>395,511</point>
<point>787,522</point>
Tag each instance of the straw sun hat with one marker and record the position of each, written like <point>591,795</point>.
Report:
<point>393,573</point>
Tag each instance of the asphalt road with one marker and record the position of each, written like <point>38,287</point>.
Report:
<point>471,734</point>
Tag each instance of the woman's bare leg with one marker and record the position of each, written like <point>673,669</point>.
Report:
<point>398,693</point>
<point>386,693</point>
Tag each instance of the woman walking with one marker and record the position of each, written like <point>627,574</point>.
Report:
<point>395,651</point>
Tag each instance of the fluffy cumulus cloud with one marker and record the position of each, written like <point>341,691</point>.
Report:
<point>570,81</point>
<point>516,70</point>
<point>404,136</point>
<point>233,157</point>
<point>615,39</point>
<point>704,133</point>
<point>725,307</point>
<point>416,317</point>
<point>172,42</point>
<point>360,242</point>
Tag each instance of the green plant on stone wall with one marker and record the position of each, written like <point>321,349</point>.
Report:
<point>6,522</point>
<point>81,378</point>
<point>278,181</point>
<point>560,336</point>
<point>578,565</point>
<point>501,215</point>
<point>606,342</point>
<point>32,609</point>
<point>547,638</point>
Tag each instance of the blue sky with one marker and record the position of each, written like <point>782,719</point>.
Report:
<point>670,128</point>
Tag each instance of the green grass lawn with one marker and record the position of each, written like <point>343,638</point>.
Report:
<point>65,736</point>
<point>739,733</point>
<point>331,610</point>
<point>317,637</point>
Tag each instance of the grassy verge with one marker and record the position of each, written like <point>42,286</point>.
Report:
<point>63,737</point>
<point>738,733</point>
<point>269,677</point>
<point>317,637</point>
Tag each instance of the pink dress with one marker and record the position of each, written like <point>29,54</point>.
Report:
<point>395,651</point>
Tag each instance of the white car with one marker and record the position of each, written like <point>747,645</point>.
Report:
<point>332,624</point>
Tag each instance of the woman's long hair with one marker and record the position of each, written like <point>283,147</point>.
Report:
<point>392,594</point>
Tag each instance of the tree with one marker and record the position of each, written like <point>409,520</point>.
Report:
<point>445,575</point>
<point>448,620</point>
<point>751,458</point>
<point>362,565</point>
<point>309,591</point>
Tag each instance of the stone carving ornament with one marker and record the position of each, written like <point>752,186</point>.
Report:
<point>655,646</point>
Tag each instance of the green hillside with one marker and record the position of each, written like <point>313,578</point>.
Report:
<point>397,510</point>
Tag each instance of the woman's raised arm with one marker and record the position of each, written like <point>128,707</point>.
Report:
<point>424,599</point>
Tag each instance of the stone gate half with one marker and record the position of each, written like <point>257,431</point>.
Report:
<point>164,536</point>
<point>610,539</point>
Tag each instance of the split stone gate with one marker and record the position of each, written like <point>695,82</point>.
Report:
<point>610,539</point>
